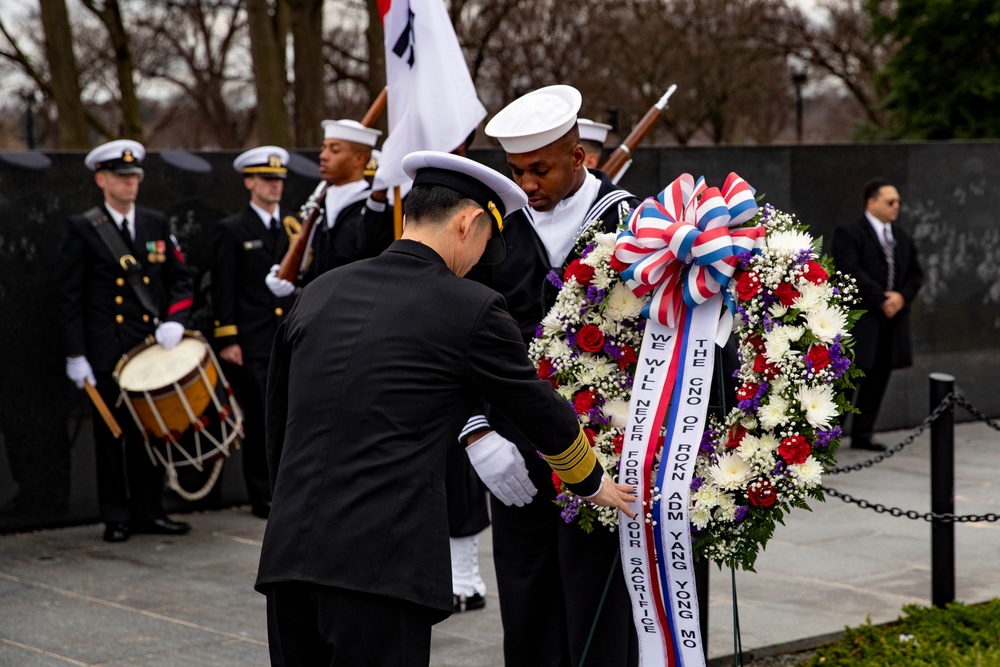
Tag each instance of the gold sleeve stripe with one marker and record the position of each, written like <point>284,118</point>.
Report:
<point>576,462</point>
<point>228,330</point>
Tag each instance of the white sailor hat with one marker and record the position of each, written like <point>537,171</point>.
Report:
<point>536,119</point>
<point>267,161</point>
<point>498,195</point>
<point>591,131</point>
<point>121,156</point>
<point>350,130</point>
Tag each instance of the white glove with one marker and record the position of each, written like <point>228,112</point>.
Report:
<point>168,334</point>
<point>502,469</point>
<point>278,286</point>
<point>78,370</point>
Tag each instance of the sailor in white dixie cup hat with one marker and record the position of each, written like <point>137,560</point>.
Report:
<point>545,621</point>
<point>592,136</point>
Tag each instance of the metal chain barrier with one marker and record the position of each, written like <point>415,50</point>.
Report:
<point>953,398</point>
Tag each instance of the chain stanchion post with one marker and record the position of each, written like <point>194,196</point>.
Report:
<point>942,492</point>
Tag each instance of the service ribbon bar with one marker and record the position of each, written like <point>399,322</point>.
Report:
<point>681,251</point>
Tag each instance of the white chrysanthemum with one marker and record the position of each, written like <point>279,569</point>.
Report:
<point>566,392</point>
<point>777,310</point>
<point>826,323</point>
<point>617,412</point>
<point>558,349</point>
<point>707,496</point>
<point>748,422</point>
<point>817,404</point>
<point>701,516</point>
<point>768,442</point>
<point>597,256</point>
<point>811,296</point>
<point>773,414</point>
<point>603,279</point>
<point>749,447</point>
<point>809,473</point>
<point>621,304</point>
<point>776,344</point>
<point>606,241</point>
<point>730,472</point>
<point>604,367</point>
<point>779,384</point>
<point>787,243</point>
<point>551,325</point>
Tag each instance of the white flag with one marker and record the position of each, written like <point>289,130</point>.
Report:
<point>432,102</point>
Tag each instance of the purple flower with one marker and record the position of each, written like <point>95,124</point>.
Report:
<point>740,513</point>
<point>696,483</point>
<point>554,278</point>
<point>823,438</point>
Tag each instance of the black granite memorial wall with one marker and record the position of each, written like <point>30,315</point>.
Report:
<point>47,473</point>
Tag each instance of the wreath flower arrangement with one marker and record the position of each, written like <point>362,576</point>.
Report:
<point>767,455</point>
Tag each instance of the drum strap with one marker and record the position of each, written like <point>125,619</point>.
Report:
<point>122,254</point>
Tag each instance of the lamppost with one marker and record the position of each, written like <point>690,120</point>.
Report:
<point>798,80</point>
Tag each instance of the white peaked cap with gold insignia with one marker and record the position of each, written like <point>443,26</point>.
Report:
<point>122,156</point>
<point>536,119</point>
<point>591,131</point>
<point>263,161</point>
<point>350,130</point>
<point>498,195</point>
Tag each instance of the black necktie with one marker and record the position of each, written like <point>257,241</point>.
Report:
<point>126,234</point>
<point>275,229</point>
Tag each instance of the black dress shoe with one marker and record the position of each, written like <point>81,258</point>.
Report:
<point>116,532</point>
<point>462,603</point>
<point>263,510</point>
<point>163,526</point>
<point>869,445</point>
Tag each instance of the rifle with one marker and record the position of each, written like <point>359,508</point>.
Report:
<point>621,157</point>
<point>292,263</point>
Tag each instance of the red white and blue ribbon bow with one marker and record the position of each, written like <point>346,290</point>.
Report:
<point>680,244</point>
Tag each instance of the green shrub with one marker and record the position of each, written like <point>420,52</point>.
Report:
<point>956,636</point>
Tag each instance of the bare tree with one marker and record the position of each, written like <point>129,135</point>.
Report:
<point>307,45</point>
<point>110,14</point>
<point>268,24</point>
<point>71,126</point>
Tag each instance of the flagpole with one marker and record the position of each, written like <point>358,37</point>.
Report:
<point>397,212</point>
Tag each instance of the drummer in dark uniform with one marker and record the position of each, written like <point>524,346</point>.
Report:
<point>372,375</point>
<point>122,277</point>
<point>247,314</point>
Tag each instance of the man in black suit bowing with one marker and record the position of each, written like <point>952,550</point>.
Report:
<point>372,375</point>
<point>883,260</point>
<point>122,277</point>
<point>247,314</point>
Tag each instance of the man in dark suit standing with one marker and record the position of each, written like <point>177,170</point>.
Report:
<point>372,376</point>
<point>883,260</point>
<point>247,314</point>
<point>110,302</point>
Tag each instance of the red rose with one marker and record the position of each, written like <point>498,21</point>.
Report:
<point>545,369</point>
<point>583,401</point>
<point>747,391</point>
<point>786,294</point>
<point>591,435</point>
<point>765,367</point>
<point>590,338</point>
<point>819,357</point>
<point>814,273</point>
<point>762,493</point>
<point>747,285</point>
<point>757,341</point>
<point>577,269</point>
<point>618,443</point>
<point>628,357</point>
<point>556,481</point>
<point>736,434</point>
<point>794,449</point>
<point>617,265</point>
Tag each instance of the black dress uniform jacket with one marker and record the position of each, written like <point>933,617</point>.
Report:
<point>102,316</point>
<point>372,376</point>
<point>362,230</point>
<point>246,312</point>
<point>858,252</point>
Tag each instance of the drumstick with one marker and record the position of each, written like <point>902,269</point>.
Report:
<point>102,408</point>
